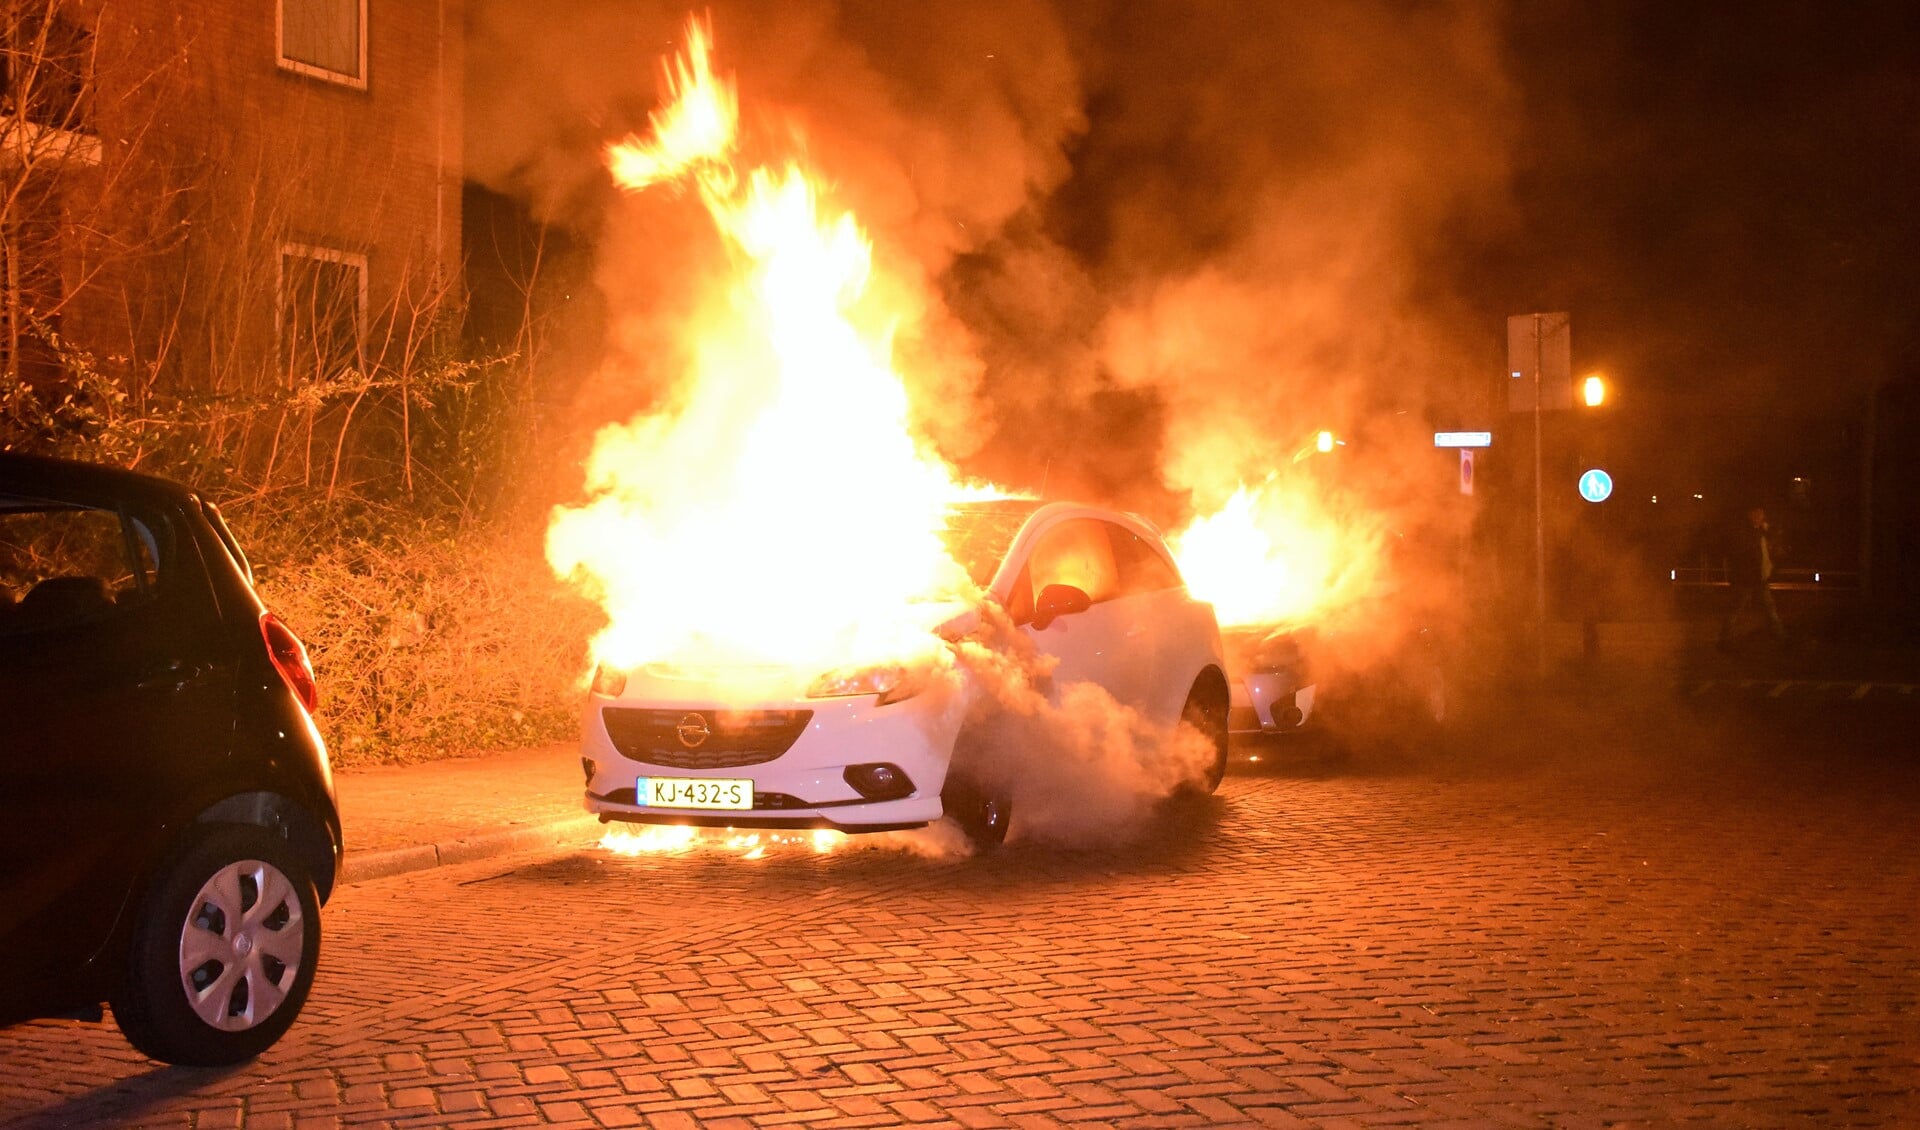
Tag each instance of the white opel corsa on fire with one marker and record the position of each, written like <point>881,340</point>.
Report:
<point>873,749</point>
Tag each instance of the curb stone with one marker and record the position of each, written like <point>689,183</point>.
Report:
<point>366,866</point>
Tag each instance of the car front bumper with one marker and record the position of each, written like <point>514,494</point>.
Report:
<point>1268,702</point>
<point>807,785</point>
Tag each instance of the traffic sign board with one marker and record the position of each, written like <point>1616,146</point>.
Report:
<point>1596,485</point>
<point>1463,439</point>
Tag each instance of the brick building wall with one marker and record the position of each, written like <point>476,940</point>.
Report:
<point>226,175</point>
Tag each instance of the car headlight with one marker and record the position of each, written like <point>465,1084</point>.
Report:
<point>893,682</point>
<point>609,681</point>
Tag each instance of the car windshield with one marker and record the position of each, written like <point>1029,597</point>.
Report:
<point>978,534</point>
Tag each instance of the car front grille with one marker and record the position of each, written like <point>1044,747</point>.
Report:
<point>703,739</point>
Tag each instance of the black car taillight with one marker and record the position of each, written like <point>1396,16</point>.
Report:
<point>289,657</point>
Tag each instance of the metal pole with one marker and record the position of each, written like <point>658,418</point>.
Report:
<point>1539,522</point>
<point>1866,496</point>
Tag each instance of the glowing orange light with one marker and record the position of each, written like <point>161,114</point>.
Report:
<point>1594,391</point>
<point>1276,554</point>
<point>1323,441</point>
<point>673,839</point>
<point>780,511</point>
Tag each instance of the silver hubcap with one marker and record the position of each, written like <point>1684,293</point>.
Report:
<point>241,945</point>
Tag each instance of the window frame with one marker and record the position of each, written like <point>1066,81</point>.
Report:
<point>1131,551</point>
<point>143,552</point>
<point>311,70</point>
<point>318,253</point>
<point>1076,523</point>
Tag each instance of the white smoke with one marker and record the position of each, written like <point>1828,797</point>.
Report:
<point>1082,769</point>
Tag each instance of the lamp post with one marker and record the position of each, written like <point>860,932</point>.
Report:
<point>1538,362</point>
<point>1593,393</point>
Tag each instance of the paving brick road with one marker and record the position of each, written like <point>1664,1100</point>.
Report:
<point>1636,914</point>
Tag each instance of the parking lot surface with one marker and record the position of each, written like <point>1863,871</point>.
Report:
<point>1578,913</point>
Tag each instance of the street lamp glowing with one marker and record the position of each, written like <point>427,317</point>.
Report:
<point>1323,441</point>
<point>1594,390</point>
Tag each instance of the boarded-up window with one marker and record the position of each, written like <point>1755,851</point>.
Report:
<point>322,311</point>
<point>44,61</point>
<point>62,566</point>
<point>325,38</point>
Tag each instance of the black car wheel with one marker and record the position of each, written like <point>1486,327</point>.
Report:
<point>1206,712</point>
<point>224,951</point>
<point>982,813</point>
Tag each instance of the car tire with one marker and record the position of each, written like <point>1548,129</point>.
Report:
<point>982,813</point>
<point>1206,712</point>
<point>224,950</point>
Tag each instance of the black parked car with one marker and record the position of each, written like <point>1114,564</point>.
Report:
<point>168,830</point>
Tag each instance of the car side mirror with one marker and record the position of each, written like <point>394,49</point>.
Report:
<point>1056,601</point>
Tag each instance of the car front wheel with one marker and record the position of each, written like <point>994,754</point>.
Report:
<point>224,952</point>
<point>982,813</point>
<point>1206,712</point>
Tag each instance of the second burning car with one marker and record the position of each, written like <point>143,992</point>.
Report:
<point>872,748</point>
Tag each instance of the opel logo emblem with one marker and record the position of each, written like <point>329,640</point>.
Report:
<point>693,731</point>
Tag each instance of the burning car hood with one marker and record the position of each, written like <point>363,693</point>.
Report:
<point>931,625</point>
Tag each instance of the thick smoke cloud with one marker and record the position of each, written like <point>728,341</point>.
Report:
<point>1248,250</point>
<point>1245,232</point>
<point>934,124</point>
<point>1138,252</point>
<point>1198,230</point>
<point>1082,769</point>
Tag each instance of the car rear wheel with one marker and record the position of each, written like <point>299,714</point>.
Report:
<point>982,813</point>
<point>1206,712</point>
<point>224,951</point>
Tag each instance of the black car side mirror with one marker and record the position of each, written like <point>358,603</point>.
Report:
<point>1056,601</point>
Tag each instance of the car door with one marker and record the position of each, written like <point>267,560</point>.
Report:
<point>109,686</point>
<point>1103,644</point>
<point>1164,620</point>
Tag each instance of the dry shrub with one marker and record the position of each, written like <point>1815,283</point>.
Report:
<point>436,647</point>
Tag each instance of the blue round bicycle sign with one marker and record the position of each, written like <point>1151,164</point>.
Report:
<point>1596,485</point>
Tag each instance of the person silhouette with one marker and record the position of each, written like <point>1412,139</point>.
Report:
<point>1750,575</point>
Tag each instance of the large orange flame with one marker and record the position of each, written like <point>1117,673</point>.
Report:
<point>1275,555</point>
<point>696,128</point>
<point>782,512</point>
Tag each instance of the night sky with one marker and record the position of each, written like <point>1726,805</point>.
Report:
<point>1725,195</point>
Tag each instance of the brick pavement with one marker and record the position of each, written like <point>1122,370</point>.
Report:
<point>385,807</point>
<point>1615,918</point>
<point>403,818</point>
